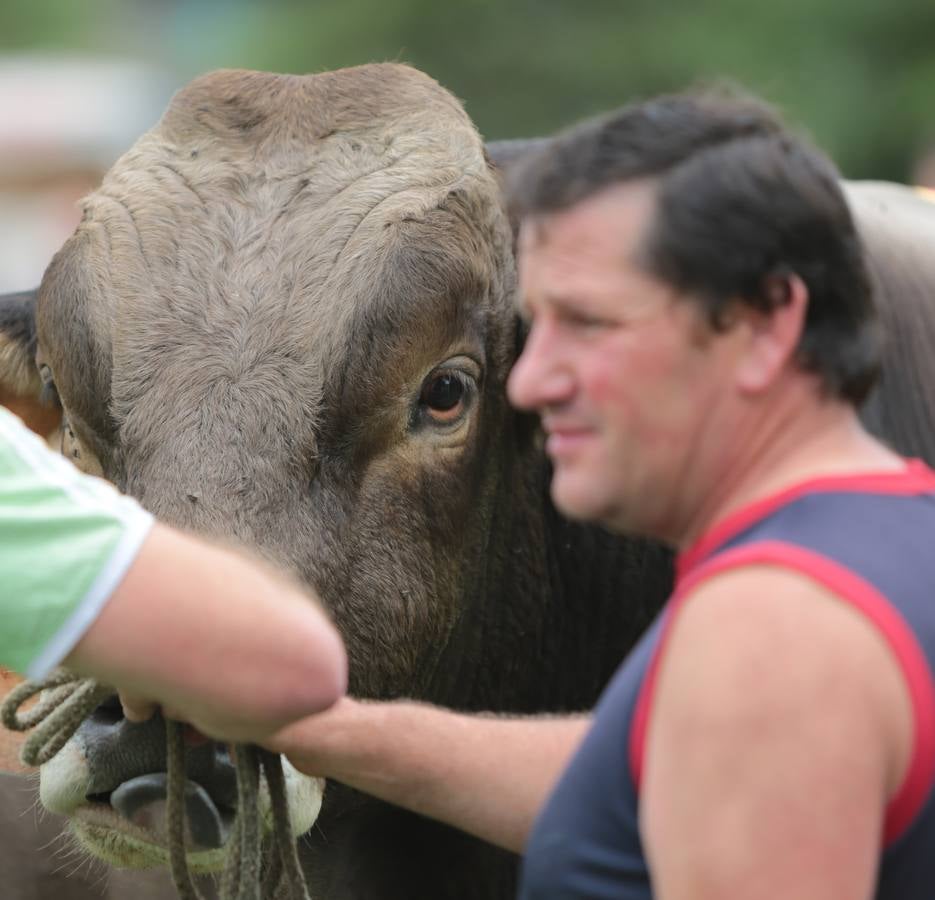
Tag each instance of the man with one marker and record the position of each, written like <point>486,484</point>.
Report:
<point>87,579</point>
<point>700,333</point>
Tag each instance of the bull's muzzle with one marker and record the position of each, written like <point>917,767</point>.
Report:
<point>125,768</point>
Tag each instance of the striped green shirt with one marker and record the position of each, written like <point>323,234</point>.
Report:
<point>66,540</point>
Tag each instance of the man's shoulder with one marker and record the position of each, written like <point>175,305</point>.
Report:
<point>760,599</point>
<point>762,646</point>
<point>770,604</point>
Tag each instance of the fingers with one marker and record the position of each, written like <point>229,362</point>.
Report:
<point>137,709</point>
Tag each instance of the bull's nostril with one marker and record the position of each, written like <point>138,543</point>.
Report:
<point>110,712</point>
<point>142,801</point>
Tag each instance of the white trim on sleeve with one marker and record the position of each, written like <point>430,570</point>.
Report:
<point>90,493</point>
<point>73,628</point>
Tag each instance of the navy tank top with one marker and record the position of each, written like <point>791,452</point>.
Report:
<point>871,540</point>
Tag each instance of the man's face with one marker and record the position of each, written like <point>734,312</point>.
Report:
<point>624,371</point>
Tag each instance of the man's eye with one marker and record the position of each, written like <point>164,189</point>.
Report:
<point>586,322</point>
<point>445,397</point>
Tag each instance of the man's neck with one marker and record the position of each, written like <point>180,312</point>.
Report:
<point>801,437</point>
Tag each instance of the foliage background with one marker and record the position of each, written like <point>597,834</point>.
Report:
<point>858,74</point>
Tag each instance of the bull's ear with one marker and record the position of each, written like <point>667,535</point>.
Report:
<point>20,384</point>
<point>18,372</point>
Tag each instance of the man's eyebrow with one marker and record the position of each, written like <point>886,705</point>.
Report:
<point>554,300</point>
<point>564,302</point>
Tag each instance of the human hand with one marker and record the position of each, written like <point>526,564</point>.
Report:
<point>138,709</point>
<point>135,708</point>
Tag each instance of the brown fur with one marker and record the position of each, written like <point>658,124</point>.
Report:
<point>240,331</point>
<point>268,226</point>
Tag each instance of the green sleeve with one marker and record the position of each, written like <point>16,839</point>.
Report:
<point>66,541</point>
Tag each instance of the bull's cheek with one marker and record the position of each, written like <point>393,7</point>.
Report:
<point>64,780</point>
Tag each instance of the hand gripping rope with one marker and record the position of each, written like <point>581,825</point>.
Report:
<point>70,699</point>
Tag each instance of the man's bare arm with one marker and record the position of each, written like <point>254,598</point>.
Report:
<point>220,640</point>
<point>487,775</point>
<point>779,730</point>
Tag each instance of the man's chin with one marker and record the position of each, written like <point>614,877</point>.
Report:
<point>585,503</point>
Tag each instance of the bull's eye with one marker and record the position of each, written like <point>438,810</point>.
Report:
<point>443,393</point>
<point>445,397</point>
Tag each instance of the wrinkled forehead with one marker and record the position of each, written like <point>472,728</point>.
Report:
<point>295,199</point>
<point>591,250</point>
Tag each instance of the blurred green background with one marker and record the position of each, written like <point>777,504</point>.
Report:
<point>858,74</point>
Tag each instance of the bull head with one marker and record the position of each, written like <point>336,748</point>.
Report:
<point>285,321</point>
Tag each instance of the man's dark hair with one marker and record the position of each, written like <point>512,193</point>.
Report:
<point>742,203</point>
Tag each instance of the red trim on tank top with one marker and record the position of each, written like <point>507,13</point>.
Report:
<point>915,478</point>
<point>851,588</point>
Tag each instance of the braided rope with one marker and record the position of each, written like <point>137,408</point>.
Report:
<point>70,699</point>
<point>287,858</point>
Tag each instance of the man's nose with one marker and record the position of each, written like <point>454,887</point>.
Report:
<point>541,377</point>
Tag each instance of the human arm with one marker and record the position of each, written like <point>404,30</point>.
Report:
<point>218,639</point>
<point>487,775</point>
<point>780,728</point>
<point>86,576</point>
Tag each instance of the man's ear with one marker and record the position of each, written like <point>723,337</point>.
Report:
<point>773,335</point>
<point>20,384</point>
